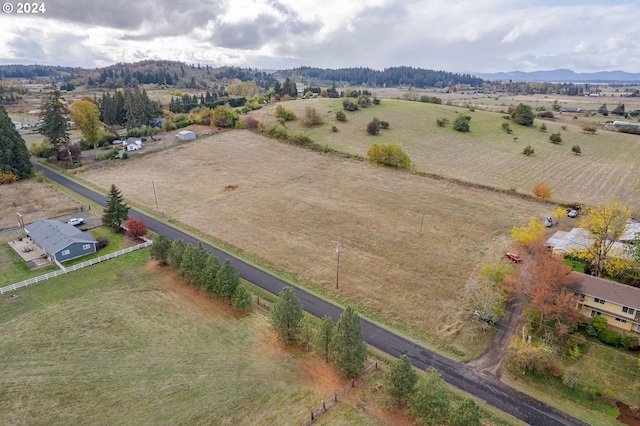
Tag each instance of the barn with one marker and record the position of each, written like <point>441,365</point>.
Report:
<point>186,135</point>
<point>59,240</point>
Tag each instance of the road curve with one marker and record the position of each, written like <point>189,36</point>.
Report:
<point>492,391</point>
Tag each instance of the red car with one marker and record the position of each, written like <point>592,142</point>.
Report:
<point>514,257</point>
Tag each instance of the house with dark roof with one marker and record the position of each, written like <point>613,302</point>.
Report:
<point>619,303</point>
<point>59,240</point>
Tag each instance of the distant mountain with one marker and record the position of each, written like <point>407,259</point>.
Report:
<point>564,76</point>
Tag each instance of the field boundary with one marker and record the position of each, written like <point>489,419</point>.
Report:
<point>332,401</point>
<point>63,270</point>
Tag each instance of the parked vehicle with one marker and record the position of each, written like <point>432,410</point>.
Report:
<point>514,257</point>
<point>573,213</point>
<point>75,221</point>
<point>548,222</point>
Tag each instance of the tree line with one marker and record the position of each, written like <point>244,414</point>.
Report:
<point>128,107</point>
<point>393,76</point>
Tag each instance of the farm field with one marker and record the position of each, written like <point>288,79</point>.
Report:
<point>125,343</point>
<point>293,206</point>
<point>34,201</point>
<point>608,167</point>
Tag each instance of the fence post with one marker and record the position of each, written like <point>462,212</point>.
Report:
<point>335,396</point>
<point>353,383</point>
<point>324,406</point>
<point>312,416</point>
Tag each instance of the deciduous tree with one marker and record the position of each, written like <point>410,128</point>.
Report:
<point>430,401</point>
<point>606,223</point>
<point>117,211</point>
<point>348,348</point>
<point>400,380</point>
<point>86,115</point>
<point>467,413</point>
<point>542,191</point>
<point>136,228</point>
<point>372,128</point>
<point>527,232</point>
<point>576,150</point>
<point>286,315</point>
<point>14,157</point>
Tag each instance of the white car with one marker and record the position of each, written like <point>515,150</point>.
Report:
<point>573,213</point>
<point>75,221</point>
<point>548,222</point>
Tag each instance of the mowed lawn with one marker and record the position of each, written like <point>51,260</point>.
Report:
<point>608,167</point>
<point>123,342</point>
<point>408,243</point>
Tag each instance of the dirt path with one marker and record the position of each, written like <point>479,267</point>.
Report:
<point>490,362</point>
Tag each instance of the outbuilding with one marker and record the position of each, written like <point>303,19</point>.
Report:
<point>59,240</point>
<point>186,135</point>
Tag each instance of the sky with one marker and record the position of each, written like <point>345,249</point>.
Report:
<point>475,36</point>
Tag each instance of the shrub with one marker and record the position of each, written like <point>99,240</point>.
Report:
<point>7,177</point>
<point>341,116</point>
<point>543,127</point>
<point>576,150</point>
<point>589,128</point>
<point>349,105</point>
<point>629,341</point>
<point>506,128</point>
<point>41,150</point>
<point>599,323</point>
<point>251,123</point>
<point>461,123</point>
<point>384,124</point>
<point>364,102</point>
<point>522,114</point>
<point>541,191</point>
<point>441,122</point>
<point>555,138</point>
<point>528,150</point>
<point>610,337</point>
<point>334,128</point>
<point>372,128</point>
<point>573,377</point>
<point>101,243</point>
<point>276,130</point>
<point>136,228</point>
<point>311,117</point>
<point>302,140</point>
<point>284,113</point>
<point>546,114</point>
<point>388,155</point>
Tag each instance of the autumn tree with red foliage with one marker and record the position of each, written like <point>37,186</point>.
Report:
<point>545,282</point>
<point>136,228</point>
<point>541,191</point>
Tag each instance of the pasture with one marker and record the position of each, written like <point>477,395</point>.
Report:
<point>408,243</point>
<point>123,342</point>
<point>487,155</point>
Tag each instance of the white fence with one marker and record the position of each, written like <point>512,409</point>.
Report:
<point>45,277</point>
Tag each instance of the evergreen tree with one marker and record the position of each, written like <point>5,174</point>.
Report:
<point>227,280</point>
<point>286,315</point>
<point>54,126</point>
<point>14,156</point>
<point>467,414</point>
<point>186,263</point>
<point>241,299</point>
<point>193,263</point>
<point>430,400</point>
<point>160,249</point>
<point>117,211</point>
<point>348,348</point>
<point>323,337</point>
<point>175,254</point>
<point>400,380</point>
<point>209,272</point>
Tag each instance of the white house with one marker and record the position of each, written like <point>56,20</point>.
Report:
<point>186,135</point>
<point>17,125</point>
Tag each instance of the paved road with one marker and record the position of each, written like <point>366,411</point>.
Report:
<point>455,373</point>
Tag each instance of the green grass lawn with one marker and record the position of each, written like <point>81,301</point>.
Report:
<point>111,344</point>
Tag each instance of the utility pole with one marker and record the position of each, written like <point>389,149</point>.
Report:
<point>338,264</point>
<point>154,193</point>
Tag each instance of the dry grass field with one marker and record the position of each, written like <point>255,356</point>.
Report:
<point>293,206</point>
<point>34,200</point>
<point>608,167</point>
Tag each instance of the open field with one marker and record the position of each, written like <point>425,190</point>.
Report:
<point>608,167</point>
<point>34,200</point>
<point>293,206</point>
<point>139,347</point>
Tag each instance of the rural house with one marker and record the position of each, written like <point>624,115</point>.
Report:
<point>186,135</point>
<point>133,144</point>
<point>59,240</point>
<point>578,240</point>
<point>619,303</point>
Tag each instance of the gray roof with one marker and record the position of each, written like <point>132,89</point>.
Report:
<point>611,291</point>
<point>53,235</point>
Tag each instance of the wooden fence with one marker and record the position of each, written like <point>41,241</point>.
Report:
<point>64,270</point>
<point>330,402</point>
